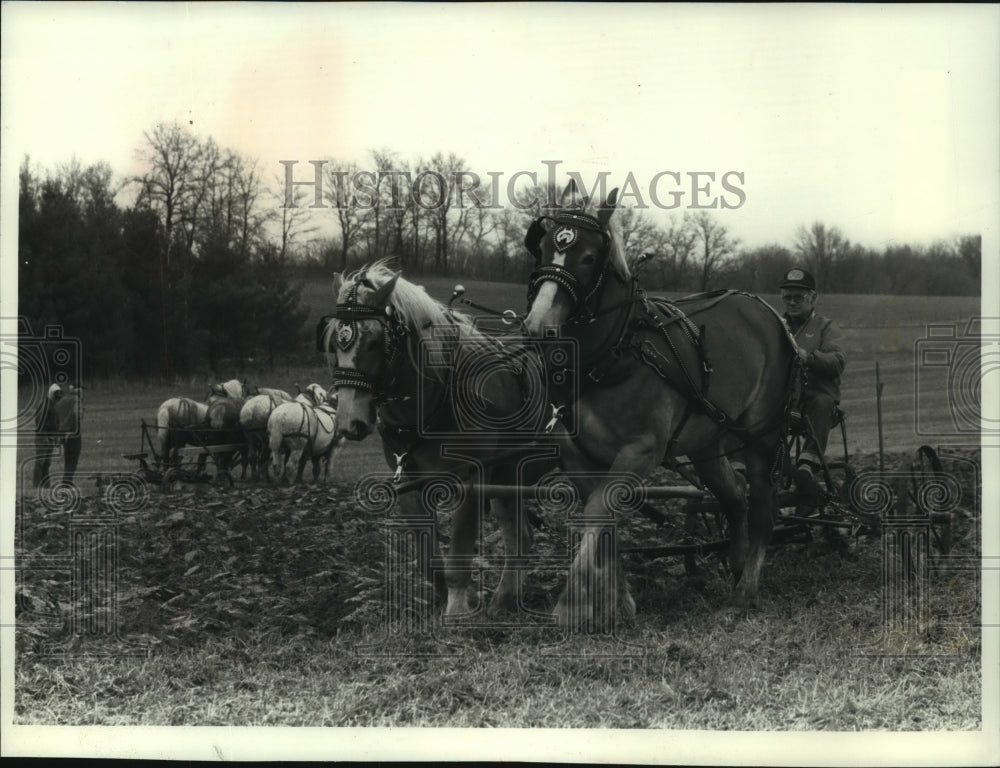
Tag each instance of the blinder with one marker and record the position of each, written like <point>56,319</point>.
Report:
<point>347,316</point>
<point>570,222</point>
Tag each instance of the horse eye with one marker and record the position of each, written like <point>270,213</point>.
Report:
<point>371,345</point>
<point>587,260</point>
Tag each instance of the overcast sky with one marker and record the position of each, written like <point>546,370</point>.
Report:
<point>883,121</point>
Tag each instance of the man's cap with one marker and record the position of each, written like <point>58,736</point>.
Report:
<point>797,277</point>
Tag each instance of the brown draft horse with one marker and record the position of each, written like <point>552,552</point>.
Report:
<point>659,381</point>
<point>437,389</point>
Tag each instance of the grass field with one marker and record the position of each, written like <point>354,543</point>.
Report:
<point>248,603</point>
<point>255,603</point>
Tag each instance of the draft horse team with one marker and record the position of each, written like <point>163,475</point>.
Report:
<point>713,377</point>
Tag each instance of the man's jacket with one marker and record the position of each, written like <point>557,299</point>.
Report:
<point>821,337</point>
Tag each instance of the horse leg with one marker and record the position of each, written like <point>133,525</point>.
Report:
<point>299,458</point>
<point>43,463</point>
<point>315,461</point>
<point>264,462</point>
<point>516,541</point>
<point>262,457</point>
<point>763,507</point>
<point>721,479</point>
<point>458,568</point>
<point>595,585</point>
<point>325,463</point>
<point>72,457</point>
<point>591,582</point>
<point>277,455</point>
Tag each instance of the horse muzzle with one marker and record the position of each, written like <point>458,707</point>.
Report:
<point>550,308</point>
<point>355,414</point>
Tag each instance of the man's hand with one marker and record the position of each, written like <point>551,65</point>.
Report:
<point>803,355</point>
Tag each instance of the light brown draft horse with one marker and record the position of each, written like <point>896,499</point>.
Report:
<point>659,381</point>
<point>469,393</point>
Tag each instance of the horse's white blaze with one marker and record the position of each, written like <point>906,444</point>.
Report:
<point>541,315</point>
<point>352,405</point>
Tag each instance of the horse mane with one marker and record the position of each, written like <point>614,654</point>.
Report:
<point>414,307</point>
<point>616,246</point>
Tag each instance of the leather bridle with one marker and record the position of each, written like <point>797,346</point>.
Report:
<point>564,234</point>
<point>346,335</point>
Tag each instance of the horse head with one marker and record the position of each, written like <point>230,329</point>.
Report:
<point>224,413</point>
<point>316,394</point>
<point>575,248</point>
<point>360,340</point>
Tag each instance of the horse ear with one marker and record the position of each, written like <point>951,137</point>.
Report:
<point>607,208</point>
<point>381,296</point>
<point>568,194</point>
<point>533,238</point>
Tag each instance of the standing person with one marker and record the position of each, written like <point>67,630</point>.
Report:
<point>818,340</point>
<point>46,425</point>
<point>69,412</point>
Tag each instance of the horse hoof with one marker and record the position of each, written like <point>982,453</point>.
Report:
<point>562,617</point>
<point>743,602</point>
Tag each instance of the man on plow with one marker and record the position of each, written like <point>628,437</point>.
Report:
<point>818,340</point>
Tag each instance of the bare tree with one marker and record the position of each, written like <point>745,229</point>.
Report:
<point>436,194</point>
<point>171,155</point>
<point>714,246</point>
<point>350,216</point>
<point>821,247</point>
<point>639,234</point>
<point>294,223</point>
<point>970,250</point>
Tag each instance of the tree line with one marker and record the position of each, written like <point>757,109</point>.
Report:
<point>442,228</point>
<point>199,271</point>
<point>188,278</point>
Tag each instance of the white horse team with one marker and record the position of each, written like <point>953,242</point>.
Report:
<point>273,425</point>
